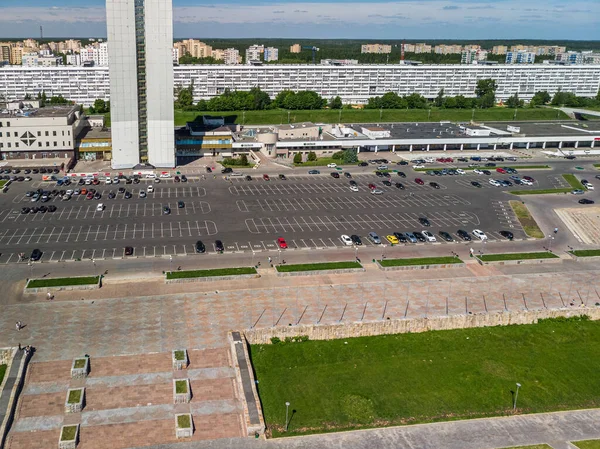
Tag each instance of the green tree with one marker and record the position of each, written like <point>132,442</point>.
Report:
<point>185,97</point>
<point>350,156</point>
<point>540,98</point>
<point>312,156</point>
<point>335,103</point>
<point>338,155</point>
<point>485,87</point>
<point>100,106</point>
<point>487,101</point>
<point>243,159</point>
<point>260,99</point>
<point>298,158</point>
<point>514,102</point>
<point>439,100</point>
<point>450,103</point>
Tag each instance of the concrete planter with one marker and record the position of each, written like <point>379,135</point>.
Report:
<point>80,367</point>
<point>183,362</point>
<point>520,262</point>
<point>420,267</point>
<point>321,272</point>
<point>184,432</point>
<point>184,397</point>
<point>584,259</point>
<point>68,444</point>
<point>212,278</point>
<point>74,407</point>
<point>61,289</point>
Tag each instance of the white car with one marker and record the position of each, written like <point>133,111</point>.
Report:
<point>115,180</point>
<point>332,165</point>
<point>100,207</point>
<point>418,166</point>
<point>354,188</point>
<point>346,240</point>
<point>27,178</point>
<point>460,171</point>
<point>69,192</point>
<point>526,182</point>
<point>494,183</point>
<point>108,181</point>
<point>382,167</point>
<point>150,176</point>
<point>150,189</point>
<point>479,234</point>
<point>478,172</point>
<point>429,160</point>
<point>429,236</point>
<point>88,182</point>
<point>65,197</point>
<point>376,192</point>
<point>165,175</point>
<point>142,194</point>
<point>588,186</point>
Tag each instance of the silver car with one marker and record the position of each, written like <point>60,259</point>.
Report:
<point>374,238</point>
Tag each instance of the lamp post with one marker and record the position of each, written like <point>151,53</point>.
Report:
<point>356,253</point>
<point>550,237</point>
<point>287,407</point>
<point>516,396</point>
<point>279,256</point>
<point>253,256</point>
<point>30,263</point>
<point>171,264</point>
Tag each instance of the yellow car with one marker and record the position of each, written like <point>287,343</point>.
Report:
<point>392,239</point>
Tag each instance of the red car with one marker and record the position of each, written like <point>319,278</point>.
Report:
<point>419,181</point>
<point>501,170</point>
<point>529,178</point>
<point>266,177</point>
<point>282,243</point>
<point>372,186</point>
<point>90,196</point>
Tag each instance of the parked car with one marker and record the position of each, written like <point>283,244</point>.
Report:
<point>392,239</point>
<point>331,165</point>
<point>200,248</point>
<point>585,201</point>
<point>374,238</point>
<point>129,250</point>
<point>424,221</point>
<point>435,185</point>
<point>346,240</point>
<point>446,236</point>
<point>401,237</point>
<point>282,243</point>
<point>314,172</point>
<point>180,204</point>
<point>419,181</point>
<point>463,235</point>
<point>420,237</point>
<point>266,177</point>
<point>219,246</point>
<point>429,236</point>
<point>507,235</point>
<point>411,237</point>
<point>476,184</point>
<point>479,234</point>
<point>356,240</point>
<point>36,255</point>
<point>335,175</point>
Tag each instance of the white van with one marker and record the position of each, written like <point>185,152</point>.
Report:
<point>150,189</point>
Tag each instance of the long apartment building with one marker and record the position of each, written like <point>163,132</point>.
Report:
<point>353,83</point>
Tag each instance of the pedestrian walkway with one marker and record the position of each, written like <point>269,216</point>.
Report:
<point>11,378</point>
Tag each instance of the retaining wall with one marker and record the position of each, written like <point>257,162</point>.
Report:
<point>404,326</point>
<point>320,272</point>
<point>520,262</point>
<point>585,259</point>
<point>61,289</point>
<point>212,278</point>
<point>420,267</point>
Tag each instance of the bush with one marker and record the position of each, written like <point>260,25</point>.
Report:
<point>338,155</point>
<point>312,156</point>
<point>298,158</point>
<point>564,319</point>
<point>296,339</point>
<point>275,340</point>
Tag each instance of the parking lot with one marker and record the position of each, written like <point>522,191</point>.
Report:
<point>309,211</point>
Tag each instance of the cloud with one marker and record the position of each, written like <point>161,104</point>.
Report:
<point>451,7</point>
<point>300,11</point>
<point>278,12</point>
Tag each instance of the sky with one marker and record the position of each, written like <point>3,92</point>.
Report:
<point>327,19</point>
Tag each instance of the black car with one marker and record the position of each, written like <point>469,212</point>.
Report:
<point>490,164</point>
<point>25,210</point>
<point>227,170</point>
<point>128,181</point>
<point>136,180</point>
<point>507,234</point>
<point>121,189</point>
<point>463,235</point>
<point>51,208</point>
<point>219,246</point>
<point>570,157</point>
<point>200,248</point>
<point>282,177</point>
<point>129,250</point>
<point>446,236</point>
<point>487,172</point>
<point>35,171</point>
<point>462,159</point>
<point>208,170</point>
<point>43,209</point>
<point>34,210</point>
<point>111,195</point>
<point>401,237</point>
<point>97,196</point>
<point>248,178</point>
<point>399,185</point>
<point>128,195</point>
<point>335,175</point>
<point>380,174</point>
<point>585,201</point>
<point>402,174</point>
<point>42,170</point>
<point>183,178</point>
<point>386,183</point>
<point>475,184</point>
<point>80,182</point>
<point>356,240</point>
<point>420,237</point>
<point>166,210</point>
<point>435,185</point>
<point>347,175</point>
<point>180,204</point>
<point>403,163</point>
<point>424,221</point>
<point>353,183</point>
<point>36,254</point>
<point>362,164</point>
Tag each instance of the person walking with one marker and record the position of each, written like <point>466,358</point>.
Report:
<point>18,325</point>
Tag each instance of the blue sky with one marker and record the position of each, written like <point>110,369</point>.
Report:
<point>360,19</point>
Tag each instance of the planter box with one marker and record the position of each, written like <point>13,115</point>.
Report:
<point>520,262</point>
<point>74,407</point>
<point>61,288</point>
<point>184,432</point>
<point>183,362</point>
<point>420,267</point>
<point>80,367</point>
<point>71,443</point>
<point>212,278</point>
<point>184,397</point>
<point>584,259</point>
<point>320,272</point>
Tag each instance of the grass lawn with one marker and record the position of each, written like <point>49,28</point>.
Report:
<point>321,162</point>
<point>425,377</point>
<point>63,282</point>
<point>234,163</point>
<point>586,252</point>
<point>574,182</point>
<point>68,433</point>
<point>279,116</point>
<point>419,261</point>
<point>587,444</point>
<point>208,273</point>
<point>3,183</point>
<point>539,191</point>
<point>534,446</point>
<point>529,224</point>
<point>2,372</point>
<point>518,256</point>
<point>180,386</point>
<point>80,363</point>
<point>179,355</point>
<point>74,397</point>
<point>317,266</point>
<point>183,421</point>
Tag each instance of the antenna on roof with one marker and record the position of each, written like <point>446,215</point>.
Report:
<point>41,32</point>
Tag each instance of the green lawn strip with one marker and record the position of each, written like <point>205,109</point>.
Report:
<point>529,224</point>
<point>2,372</point>
<point>539,191</point>
<point>317,266</point>
<point>277,116</point>
<point>179,355</point>
<point>180,386</point>
<point>183,421</point>
<point>3,183</point>
<point>63,282</point>
<point>518,256</point>
<point>74,397</point>
<point>533,446</point>
<point>586,252</point>
<point>419,261</point>
<point>597,166</point>
<point>516,167</point>
<point>425,377</point>
<point>321,162</point>
<point>209,273</point>
<point>587,444</point>
<point>68,433</point>
<point>574,182</point>
<point>80,363</point>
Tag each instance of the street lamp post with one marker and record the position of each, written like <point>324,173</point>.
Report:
<point>253,256</point>
<point>171,264</point>
<point>287,407</point>
<point>516,396</point>
<point>550,237</point>
<point>279,256</point>
<point>30,269</point>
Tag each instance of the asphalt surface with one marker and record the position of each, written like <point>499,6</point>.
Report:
<point>309,211</point>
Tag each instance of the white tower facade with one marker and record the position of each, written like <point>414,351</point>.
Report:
<point>140,36</point>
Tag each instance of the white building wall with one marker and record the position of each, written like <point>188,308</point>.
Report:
<point>120,17</point>
<point>159,79</point>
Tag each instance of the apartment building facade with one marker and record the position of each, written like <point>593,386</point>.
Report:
<point>448,49</point>
<point>520,57</point>
<point>296,48</point>
<point>271,54</point>
<point>194,48</point>
<point>254,53</point>
<point>232,56</point>
<point>353,83</point>
<point>376,48</point>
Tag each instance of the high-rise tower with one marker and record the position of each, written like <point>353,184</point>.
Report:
<point>140,39</point>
